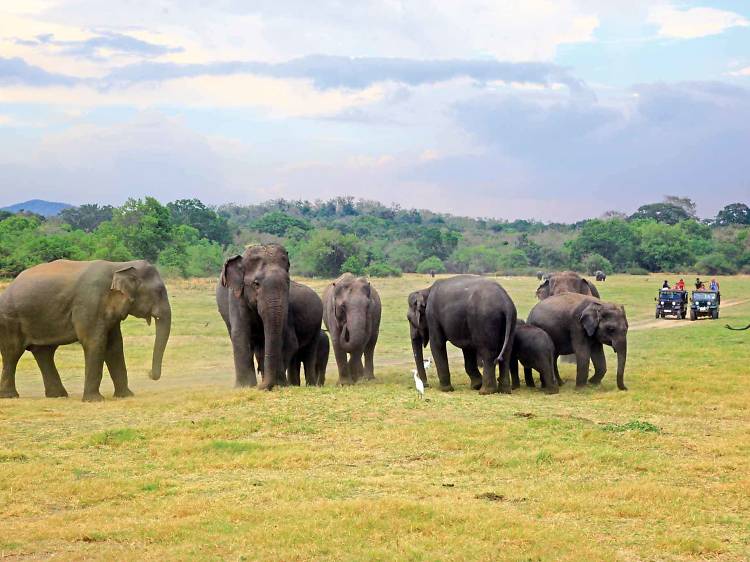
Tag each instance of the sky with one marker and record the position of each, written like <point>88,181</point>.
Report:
<point>555,110</point>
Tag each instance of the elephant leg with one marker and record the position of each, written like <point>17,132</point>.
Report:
<point>293,371</point>
<point>583,357</point>
<point>11,354</point>
<point>243,359</point>
<point>470,365</point>
<point>115,359</point>
<point>515,381</point>
<point>343,365</point>
<point>489,383</point>
<point>370,361</point>
<point>94,351</point>
<point>308,361</point>
<point>527,374</point>
<point>440,356</point>
<point>355,366</point>
<point>600,363</point>
<point>560,382</point>
<point>45,358</point>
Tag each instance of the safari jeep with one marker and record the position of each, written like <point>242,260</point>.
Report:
<point>671,303</point>
<point>705,304</point>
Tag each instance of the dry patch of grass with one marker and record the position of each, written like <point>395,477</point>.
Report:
<point>193,469</point>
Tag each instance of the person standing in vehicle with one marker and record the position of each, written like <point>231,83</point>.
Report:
<point>714,286</point>
<point>680,286</point>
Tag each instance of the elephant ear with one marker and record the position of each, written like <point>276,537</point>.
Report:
<point>543,290</point>
<point>233,275</point>
<point>591,288</point>
<point>126,281</point>
<point>590,319</point>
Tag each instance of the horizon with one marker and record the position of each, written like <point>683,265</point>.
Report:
<point>524,110</point>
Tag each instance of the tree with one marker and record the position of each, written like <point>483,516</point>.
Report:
<point>736,213</point>
<point>145,226</point>
<point>86,217</point>
<point>614,239</point>
<point>684,203</point>
<point>325,252</point>
<point>208,223</point>
<point>279,223</point>
<point>661,212</point>
<point>435,242</point>
<point>531,249</point>
<point>433,263</point>
<point>663,247</point>
<point>595,262</point>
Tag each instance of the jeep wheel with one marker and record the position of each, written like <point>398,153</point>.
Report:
<point>693,315</point>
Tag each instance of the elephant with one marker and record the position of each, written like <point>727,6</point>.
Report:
<point>351,313</point>
<point>302,335</point>
<point>63,302</point>
<point>727,326</point>
<point>474,314</point>
<point>539,275</point>
<point>534,348</point>
<point>600,275</point>
<point>581,324</point>
<point>565,282</point>
<point>253,299</point>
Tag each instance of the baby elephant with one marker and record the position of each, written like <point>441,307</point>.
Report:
<point>535,350</point>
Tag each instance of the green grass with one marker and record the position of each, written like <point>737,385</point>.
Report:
<point>191,468</point>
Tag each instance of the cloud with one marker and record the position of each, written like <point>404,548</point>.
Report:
<point>101,46</point>
<point>693,22</point>
<point>17,71</point>
<point>346,72</point>
<point>741,72</point>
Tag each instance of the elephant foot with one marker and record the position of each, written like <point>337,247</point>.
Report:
<point>93,397</point>
<point>552,390</point>
<point>244,383</point>
<point>56,393</point>
<point>622,387</point>
<point>447,388</point>
<point>11,393</point>
<point>516,385</point>
<point>476,383</point>
<point>345,381</point>
<point>596,380</point>
<point>266,384</point>
<point>485,390</point>
<point>127,393</point>
<point>580,386</point>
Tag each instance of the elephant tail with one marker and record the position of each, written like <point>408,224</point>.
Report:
<point>509,327</point>
<point>728,327</point>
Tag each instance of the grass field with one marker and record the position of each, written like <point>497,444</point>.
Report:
<point>193,469</point>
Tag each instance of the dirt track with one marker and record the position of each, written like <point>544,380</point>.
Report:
<point>667,323</point>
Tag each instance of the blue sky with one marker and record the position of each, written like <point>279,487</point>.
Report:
<point>520,108</point>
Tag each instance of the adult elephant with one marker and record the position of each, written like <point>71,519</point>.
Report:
<point>351,313</point>
<point>253,299</point>
<point>474,314</point>
<point>600,275</point>
<point>565,282</point>
<point>581,324</point>
<point>63,302</point>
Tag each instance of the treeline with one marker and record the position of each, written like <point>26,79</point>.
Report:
<point>324,238</point>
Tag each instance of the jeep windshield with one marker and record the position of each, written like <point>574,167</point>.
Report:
<point>704,297</point>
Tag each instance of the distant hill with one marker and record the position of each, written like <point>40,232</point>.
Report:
<point>38,206</point>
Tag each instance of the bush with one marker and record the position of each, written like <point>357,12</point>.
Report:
<point>595,262</point>
<point>516,259</point>
<point>637,270</point>
<point>353,265</point>
<point>715,264</point>
<point>431,263</point>
<point>382,269</point>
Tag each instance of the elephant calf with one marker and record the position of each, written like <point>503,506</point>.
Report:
<point>351,313</point>
<point>534,348</point>
<point>63,302</point>
<point>581,324</point>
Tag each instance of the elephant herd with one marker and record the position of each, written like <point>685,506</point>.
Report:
<point>274,325</point>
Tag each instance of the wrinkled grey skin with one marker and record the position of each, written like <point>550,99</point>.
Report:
<point>351,313</point>
<point>581,324</point>
<point>302,334</point>
<point>253,299</point>
<point>600,276</point>
<point>64,302</point>
<point>477,316</point>
<point>565,282</point>
<point>534,348</point>
<point>322,352</point>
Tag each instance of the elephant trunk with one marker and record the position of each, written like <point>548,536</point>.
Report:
<point>353,332</point>
<point>163,327</point>
<point>622,354</point>
<point>416,346</point>
<point>274,312</point>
